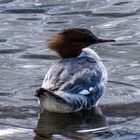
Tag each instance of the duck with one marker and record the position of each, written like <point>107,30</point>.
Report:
<point>78,80</point>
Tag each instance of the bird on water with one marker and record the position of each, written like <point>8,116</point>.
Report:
<point>78,80</point>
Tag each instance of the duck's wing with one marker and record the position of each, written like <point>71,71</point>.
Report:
<point>77,82</point>
<point>74,76</point>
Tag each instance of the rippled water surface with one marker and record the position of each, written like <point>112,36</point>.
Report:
<point>24,28</point>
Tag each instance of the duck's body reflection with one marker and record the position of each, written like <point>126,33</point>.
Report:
<point>70,125</point>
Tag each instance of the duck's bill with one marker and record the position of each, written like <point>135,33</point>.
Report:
<point>99,40</point>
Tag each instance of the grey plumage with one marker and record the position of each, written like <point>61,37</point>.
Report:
<point>74,75</point>
<point>78,81</point>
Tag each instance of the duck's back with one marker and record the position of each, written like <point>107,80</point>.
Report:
<point>78,80</point>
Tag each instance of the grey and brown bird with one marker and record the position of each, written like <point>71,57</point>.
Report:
<point>78,80</point>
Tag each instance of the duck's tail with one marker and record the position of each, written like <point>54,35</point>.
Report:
<point>52,102</point>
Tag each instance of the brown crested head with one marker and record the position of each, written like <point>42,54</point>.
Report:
<point>70,42</point>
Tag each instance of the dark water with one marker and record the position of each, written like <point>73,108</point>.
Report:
<point>24,28</point>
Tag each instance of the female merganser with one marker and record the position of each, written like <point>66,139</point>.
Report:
<point>78,80</point>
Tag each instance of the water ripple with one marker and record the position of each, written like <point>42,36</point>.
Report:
<point>29,19</point>
<point>72,12</point>
<point>39,56</point>
<point>3,40</point>
<point>5,1</point>
<point>122,3</point>
<point>23,11</point>
<point>114,14</point>
<point>89,13</point>
<point>9,51</point>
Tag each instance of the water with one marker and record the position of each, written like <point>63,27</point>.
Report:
<point>24,28</point>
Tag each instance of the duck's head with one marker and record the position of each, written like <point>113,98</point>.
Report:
<point>70,42</point>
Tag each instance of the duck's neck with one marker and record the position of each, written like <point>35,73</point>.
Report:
<point>68,53</point>
<point>87,52</point>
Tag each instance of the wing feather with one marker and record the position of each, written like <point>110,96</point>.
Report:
<point>73,76</point>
